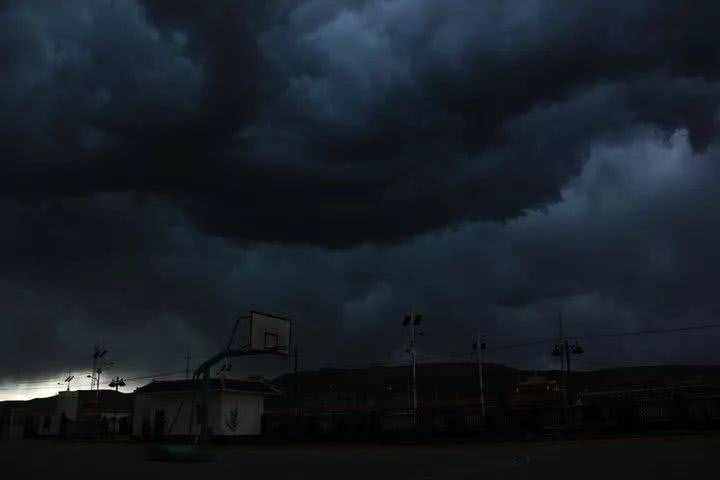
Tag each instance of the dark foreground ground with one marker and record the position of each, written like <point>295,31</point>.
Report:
<point>627,458</point>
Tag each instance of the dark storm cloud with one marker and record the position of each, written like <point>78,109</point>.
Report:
<point>630,246</point>
<point>334,123</point>
<point>391,107</point>
<point>166,165</point>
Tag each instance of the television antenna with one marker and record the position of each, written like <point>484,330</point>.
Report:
<point>98,354</point>
<point>68,378</point>
<point>117,382</point>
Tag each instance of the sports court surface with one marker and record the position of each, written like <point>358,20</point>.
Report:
<point>631,458</point>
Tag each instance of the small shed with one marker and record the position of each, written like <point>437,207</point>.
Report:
<point>173,408</point>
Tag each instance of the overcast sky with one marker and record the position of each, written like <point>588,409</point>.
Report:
<point>168,165</point>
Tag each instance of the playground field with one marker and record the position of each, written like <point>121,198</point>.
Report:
<point>636,458</point>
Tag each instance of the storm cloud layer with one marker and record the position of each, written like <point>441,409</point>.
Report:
<point>166,164</point>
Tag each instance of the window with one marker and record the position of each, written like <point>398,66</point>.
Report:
<point>272,340</point>
<point>46,422</point>
<point>199,414</point>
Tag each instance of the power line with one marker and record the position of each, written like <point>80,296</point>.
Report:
<point>653,331</point>
<point>531,343</point>
<point>546,341</point>
<point>156,375</point>
<point>51,382</point>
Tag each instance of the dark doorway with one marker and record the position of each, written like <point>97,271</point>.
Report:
<point>124,426</point>
<point>159,426</point>
<point>63,426</point>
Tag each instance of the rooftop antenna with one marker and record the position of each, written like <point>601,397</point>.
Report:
<point>98,366</point>
<point>98,353</point>
<point>117,382</point>
<point>69,378</point>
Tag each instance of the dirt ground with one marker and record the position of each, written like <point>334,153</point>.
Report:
<point>628,458</point>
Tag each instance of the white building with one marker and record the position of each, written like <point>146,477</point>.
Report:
<point>173,408</point>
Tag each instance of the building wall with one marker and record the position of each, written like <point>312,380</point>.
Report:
<point>239,414</point>
<point>176,408</point>
<point>46,424</point>
<point>68,404</point>
<point>229,414</point>
<point>12,424</point>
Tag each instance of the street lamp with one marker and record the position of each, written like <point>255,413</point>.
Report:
<point>479,347</point>
<point>413,320</point>
<point>564,350</point>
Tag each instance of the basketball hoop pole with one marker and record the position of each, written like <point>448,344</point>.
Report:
<point>201,376</point>
<point>202,373</point>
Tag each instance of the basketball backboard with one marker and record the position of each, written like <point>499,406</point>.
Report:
<point>270,332</point>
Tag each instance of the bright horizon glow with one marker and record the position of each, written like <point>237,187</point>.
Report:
<point>10,391</point>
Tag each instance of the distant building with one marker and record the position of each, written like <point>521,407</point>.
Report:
<point>26,419</point>
<point>376,400</point>
<point>172,408</point>
<point>388,388</point>
<point>92,412</point>
<point>536,391</point>
<point>68,414</point>
<point>13,419</point>
<point>537,403</point>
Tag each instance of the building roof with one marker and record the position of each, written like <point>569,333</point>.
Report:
<point>106,400</point>
<point>12,404</point>
<point>538,380</point>
<point>246,386</point>
<point>42,404</point>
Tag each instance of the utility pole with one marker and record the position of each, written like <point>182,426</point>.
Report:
<point>96,349</point>
<point>98,353</point>
<point>187,365</point>
<point>566,348</point>
<point>296,393</point>
<point>563,374</point>
<point>479,347</point>
<point>563,349</point>
<point>413,320</point>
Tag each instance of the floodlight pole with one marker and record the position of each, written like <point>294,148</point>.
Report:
<point>296,386</point>
<point>563,349</point>
<point>479,348</point>
<point>568,396</point>
<point>564,374</point>
<point>414,373</point>
<point>413,320</point>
